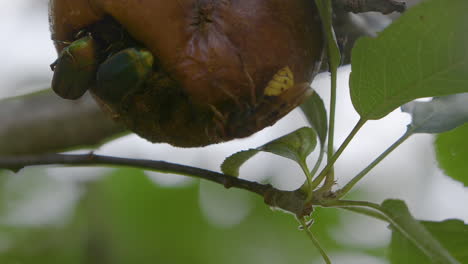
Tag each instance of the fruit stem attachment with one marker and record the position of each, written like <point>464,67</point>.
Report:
<point>334,60</point>
<point>330,177</point>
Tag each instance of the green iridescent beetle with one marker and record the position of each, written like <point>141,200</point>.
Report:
<point>123,73</point>
<point>87,63</point>
<point>75,68</point>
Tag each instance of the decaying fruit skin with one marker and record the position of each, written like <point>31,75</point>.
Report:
<point>223,69</point>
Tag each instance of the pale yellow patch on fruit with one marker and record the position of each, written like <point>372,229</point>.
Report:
<point>281,81</point>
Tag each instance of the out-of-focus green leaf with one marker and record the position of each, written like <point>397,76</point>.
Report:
<point>452,153</point>
<point>422,54</point>
<point>295,146</point>
<point>135,221</point>
<point>44,241</point>
<point>125,218</point>
<point>439,115</point>
<point>416,233</point>
<point>452,234</point>
<point>316,114</point>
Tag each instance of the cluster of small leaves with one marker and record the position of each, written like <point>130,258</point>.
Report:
<point>422,54</point>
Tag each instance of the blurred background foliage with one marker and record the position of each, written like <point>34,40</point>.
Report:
<point>124,217</point>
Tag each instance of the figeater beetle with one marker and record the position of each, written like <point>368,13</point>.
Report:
<point>79,68</point>
<point>122,73</point>
<point>75,68</point>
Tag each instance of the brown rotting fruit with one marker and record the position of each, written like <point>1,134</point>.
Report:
<point>223,69</point>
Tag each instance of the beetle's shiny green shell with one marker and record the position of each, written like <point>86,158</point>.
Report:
<point>75,69</point>
<point>123,73</point>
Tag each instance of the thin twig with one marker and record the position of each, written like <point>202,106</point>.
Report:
<point>315,241</point>
<point>293,202</point>
<point>17,163</point>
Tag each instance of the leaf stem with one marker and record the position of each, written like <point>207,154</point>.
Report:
<point>317,163</point>
<point>315,241</point>
<point>338,153</point>
<point>365,211</point>
<point>351,203</point>
<point>305,169</point>
<point>362,207</point>
<point>334,59</point>
<point>330,177</point>
<point>343,191</point>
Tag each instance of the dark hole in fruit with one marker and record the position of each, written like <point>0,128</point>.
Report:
<point>203,15</point>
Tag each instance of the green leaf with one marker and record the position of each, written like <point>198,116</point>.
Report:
<point>415,232</point>
<point>422,54</point>
<point>452,153</point>
<point>439,115</point>
<point>316,114</point>
<point>452,234</point>
<point>232,164</point>
<point>295,146</point>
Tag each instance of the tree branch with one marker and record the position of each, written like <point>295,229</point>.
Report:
<point>43,122</point>
<point>289,201</point>
<point>19,162</point>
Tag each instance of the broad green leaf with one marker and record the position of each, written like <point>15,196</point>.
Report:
<point>452,234</point>
<point>295,146</point>
<point>415,232</point>
<point>422,54</point>
<point>439,115</point>
<point>452,153</point>
<point>316,114</point>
